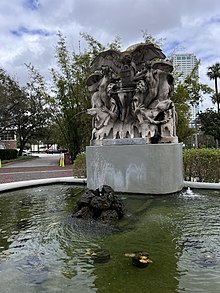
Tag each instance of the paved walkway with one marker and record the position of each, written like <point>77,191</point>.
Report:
<point>38,168</point>
<point>31,173</point>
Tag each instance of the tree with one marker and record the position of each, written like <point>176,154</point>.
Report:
<point>32,114</point>
<point>186,93</point>
<point>23,109</point>
<point>10,95</point>
<point>149,39</point>
<point>214,73</point>
<point>210,124</point>
<point>181,99</point>
<point>71,98</point>
<point>195,89</point>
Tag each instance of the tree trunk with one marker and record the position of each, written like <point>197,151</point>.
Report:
<point>216,93</point>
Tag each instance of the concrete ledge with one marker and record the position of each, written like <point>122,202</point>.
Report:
<point>38,182</point>
<point>202,185</point>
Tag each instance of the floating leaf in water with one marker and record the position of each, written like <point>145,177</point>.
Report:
<point>144,259</point>
<point>99,255</point>
<point>139,259</point>
<point>130,254</point>
<point>90,252</point>
<point>69,274</point>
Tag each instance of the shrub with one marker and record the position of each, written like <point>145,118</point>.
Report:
<point>8,154</point>
<point>79,165</point>
<point>202,164</point>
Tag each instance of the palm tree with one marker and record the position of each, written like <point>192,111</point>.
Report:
<point>214,73</point>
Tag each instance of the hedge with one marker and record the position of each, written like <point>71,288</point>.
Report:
<point>79,165</point>
<point>202,164</point>
<point>8,154</point>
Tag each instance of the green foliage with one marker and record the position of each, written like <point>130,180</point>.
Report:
<point>214,73</point>
<point>115,44</point>
<point>69,102</point>
<point>186,93</point>
<point>71,98</point>
<point>10,96</point>
<point>79,165</point>
<point>202,164</point>
<point>194,88</point>
<point>23,109</point>
<point>33,114</point>
<point>95,47</point>
<point>149,39</point>
<point>210,123</point>
<point>180,99</point>
<point>8,154</point>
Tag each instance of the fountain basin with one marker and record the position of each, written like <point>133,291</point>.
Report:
<point>43,249</point>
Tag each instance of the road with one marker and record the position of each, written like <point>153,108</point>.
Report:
<point>39,160</point>
<point>40,167</point>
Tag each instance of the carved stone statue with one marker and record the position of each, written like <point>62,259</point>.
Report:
<point>131,96</point>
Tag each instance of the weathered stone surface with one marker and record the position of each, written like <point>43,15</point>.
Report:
<point>109,216</point>
<point>101,205</point>
<point>147,169</point>
<point>86,197</point>
<point>131,95</point>
<point>123,141</point>
<point>83,212</point>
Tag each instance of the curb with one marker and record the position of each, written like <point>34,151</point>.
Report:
<point>201,185</point>
<point>39,182</point>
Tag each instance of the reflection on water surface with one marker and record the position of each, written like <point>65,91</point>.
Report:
<point>42,249</point>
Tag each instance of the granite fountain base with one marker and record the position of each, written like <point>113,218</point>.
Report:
<point>135,168</point>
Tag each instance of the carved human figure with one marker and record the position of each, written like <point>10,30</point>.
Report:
<point>162,115</point>
<point>138,99</point>
<point>103,107</point>
<point>104,82</point>
<point>104,118</point>
<point>99,89</point>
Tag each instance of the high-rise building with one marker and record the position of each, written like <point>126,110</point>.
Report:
<point>184,64</point>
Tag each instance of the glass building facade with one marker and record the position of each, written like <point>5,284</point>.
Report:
<point>183,65</point>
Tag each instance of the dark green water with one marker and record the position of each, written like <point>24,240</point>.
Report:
<point>42,249</point>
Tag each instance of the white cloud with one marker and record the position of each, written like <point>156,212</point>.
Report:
<point>28,28</point>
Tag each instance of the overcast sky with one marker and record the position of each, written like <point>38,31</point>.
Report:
<point>29,28</point>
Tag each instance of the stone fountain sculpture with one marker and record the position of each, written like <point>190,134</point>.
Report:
<point>131,95</point>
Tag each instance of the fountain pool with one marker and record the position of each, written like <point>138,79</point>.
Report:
<point>43,249</point>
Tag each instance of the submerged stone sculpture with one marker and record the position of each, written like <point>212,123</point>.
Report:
<point>131,96</point>
<point>100,204</point>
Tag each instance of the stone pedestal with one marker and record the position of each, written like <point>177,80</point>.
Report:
<point>141,168</point>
